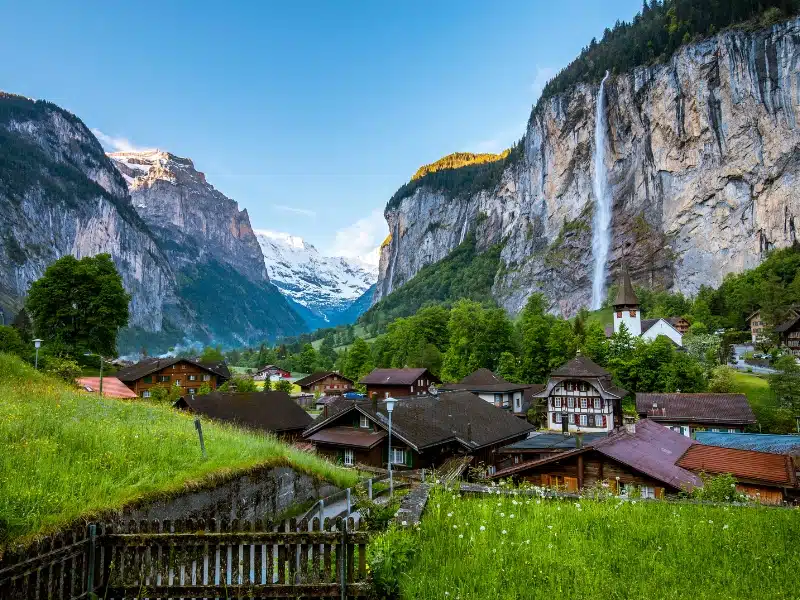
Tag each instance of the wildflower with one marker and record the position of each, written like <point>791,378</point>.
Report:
<point>504,532</point>
<point>455,526</point>
<point>511,516</point>
<point>502,514</point>
<point>449,514</point>
<point>710,522</point>
<point>460,535</point>
<point>404,523</point>
<point>725,526</point>
<point>549,526</point>
<point>483,528</point>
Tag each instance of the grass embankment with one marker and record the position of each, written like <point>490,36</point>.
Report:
<point>771,417</point>
<point>65,454</point>
<point>515,547</point>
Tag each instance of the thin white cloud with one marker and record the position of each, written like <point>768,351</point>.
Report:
<point>361,239</point>
<point>115,144</point>
<point>493,146</point>
<point>543,75</point>
<point>292,209</point>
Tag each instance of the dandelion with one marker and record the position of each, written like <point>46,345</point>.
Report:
<point>502,514</point>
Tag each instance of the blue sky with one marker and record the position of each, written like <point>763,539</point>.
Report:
<point>309,114</point>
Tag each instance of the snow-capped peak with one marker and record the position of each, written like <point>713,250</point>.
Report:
<point>320,283</point>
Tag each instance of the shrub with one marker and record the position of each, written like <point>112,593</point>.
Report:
<point>10,341</point>
<point>718,488</point>
<point>239,383</point>
<point>389,556</point>
<point>63,368</point>
<point>283,385</point>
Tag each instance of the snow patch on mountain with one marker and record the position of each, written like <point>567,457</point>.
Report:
<point>326,285</point>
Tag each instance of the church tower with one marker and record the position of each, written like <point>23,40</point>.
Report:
<point>626,306</point>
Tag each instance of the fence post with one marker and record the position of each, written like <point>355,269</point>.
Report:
<point>369,488</point>
<point>90,569</point>
<point>423,475</point>
<point>348,503</point>
<point>321,510</point>
<point>343,562</point>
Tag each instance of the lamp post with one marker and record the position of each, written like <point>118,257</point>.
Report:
<point>37,344</point>
<point>389,408</point>
<point>101,369</point>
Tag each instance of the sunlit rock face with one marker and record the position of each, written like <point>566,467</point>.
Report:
<point>702,164</point>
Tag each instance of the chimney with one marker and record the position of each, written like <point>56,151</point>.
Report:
<point>579,439</point>
<point>325,411</point>
<point>631,427</point>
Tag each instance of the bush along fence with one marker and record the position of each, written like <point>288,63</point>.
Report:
<point>193,559</point>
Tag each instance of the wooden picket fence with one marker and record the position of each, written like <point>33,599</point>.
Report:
<point>195,559</point>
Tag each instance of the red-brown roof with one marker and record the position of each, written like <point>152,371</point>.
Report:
<point>349,436</point>
<point>733,409</point>
<point>112,387</point>
<point>747,465</point>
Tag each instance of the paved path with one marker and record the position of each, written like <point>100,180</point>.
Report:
<point>740,365</point>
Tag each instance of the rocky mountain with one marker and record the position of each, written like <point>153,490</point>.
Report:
<point>186,254</point>
<point>328,290</point>
<point>700,158</point>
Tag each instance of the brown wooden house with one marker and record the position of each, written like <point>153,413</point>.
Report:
<point>680,324</point>
<point>639,457</point>
<point>187,374</point>
<point>789,335</point>
<point>270,412</point>
<point>761,476</point>
<point>398,383</point>
<point>515,397</point>
<point>426,431</point>
<point>688,413</point>
<point>326,383</point>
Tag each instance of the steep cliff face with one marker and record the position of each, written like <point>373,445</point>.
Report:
<point>702,163</point>
<point>60,195</point>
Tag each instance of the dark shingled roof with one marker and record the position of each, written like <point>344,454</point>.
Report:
<point>395,376</point>
<point>318,375</point>
<point>543,440</point>
<point>151,365</point>
<point>349,436</point>
<point>625,294</point>
<point>482,376</point>
<point>427,421</point>
<point>776,469</point>
<point>580,366</point>
<point>483,380</point>
<point>730,409</point>
<point>268,411</point>
<point>650,448</point>
<point>787,325</point>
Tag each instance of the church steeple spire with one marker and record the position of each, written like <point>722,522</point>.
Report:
<point>626,297</point>
<point>626,306</point>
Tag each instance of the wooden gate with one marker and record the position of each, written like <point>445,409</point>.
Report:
<point>197,559</point>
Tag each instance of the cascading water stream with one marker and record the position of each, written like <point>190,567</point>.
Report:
<point>601,230</point>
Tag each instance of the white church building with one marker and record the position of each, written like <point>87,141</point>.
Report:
<point>626,310</point>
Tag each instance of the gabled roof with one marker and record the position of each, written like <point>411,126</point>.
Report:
<point>762,442</point>
<point>426,421</point>
<point>545,440</point>
<point>650,448</point>
<point>395,376</point>
<point>317,376</point>
<point>580,366</point>
<point>775,469</point>
<point>268,411</point>
<point>483,380</point>
<point>151,365</point>
<point>271,367</point>
<point>625,294</point>
<point>349,436</point>
<point>112,387</point>
<point>648,323</point>
<point>733,409</point>
<point>482,376</point>
<point>787,325</point>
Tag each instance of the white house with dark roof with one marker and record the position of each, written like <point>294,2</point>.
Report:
<point>496,390</point>
<point>627,312</point>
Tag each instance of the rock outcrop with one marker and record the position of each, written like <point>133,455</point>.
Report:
<point>703,165</point>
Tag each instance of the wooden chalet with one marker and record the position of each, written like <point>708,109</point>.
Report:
<point>399,383</point>
<point>789,335</point>
<point>688,413</point>
<point>680,324</point>
<point>184,373</point>
<point>270,412</point>
<point>492,388</point>
<point>579,396</point>
<point>543,444</point>
<point>426,431</point>
<point>326,383</point>
<point>270,372</point>
<point>640,457</point>
<point>761,476</point>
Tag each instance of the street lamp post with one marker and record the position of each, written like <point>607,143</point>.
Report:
<point>37,344</point>
<point>389,408</point>
<point>101,369</point>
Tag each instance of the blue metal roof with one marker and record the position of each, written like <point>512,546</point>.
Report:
<point>546,440</point>
<point>762,442</point>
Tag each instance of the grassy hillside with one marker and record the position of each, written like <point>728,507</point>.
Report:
<point>770,415</point>
<point>66,454</point>
<point>464,273</point>
<point>510,547</point>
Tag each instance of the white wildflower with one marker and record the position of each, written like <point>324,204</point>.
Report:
<point>404,523</point>
<point>504,532</point>
<point>483,528</point>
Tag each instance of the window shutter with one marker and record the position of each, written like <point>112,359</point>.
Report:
<point>545,480</point>
<point>612,485</point>
<point>571,483</point>
<point>554,417</point>
<point>604,421</point>
<point>409,458</point>
<point>577,419</point>
<point>660,493</point>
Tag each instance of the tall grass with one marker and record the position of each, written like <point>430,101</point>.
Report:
<point>65,454</point>
<point>517,547</point>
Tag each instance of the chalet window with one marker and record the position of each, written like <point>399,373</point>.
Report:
<point>386,394</point>
<point>570,402</point>
<point>398,456</point>
<point>584,403</point>
<point>619,314</point>
<point>192,390</point>
<point>412,389</point>
<point>177,382</point>
<point>192,377</point>
<point>584,420</point>
<point>348,457</point>
<point>163,378</point>
<point>647,491</point>
<point>146,394</point>
<point>556,402</point>
<point>183,366</point>
<point>363,422</point>
<point>584,386</point>
<point>498,399</point>
<point>557,417</point>
<point>731,430</point>
<point>517,403</point>
<point>633,313</point>
<point>148,379</point>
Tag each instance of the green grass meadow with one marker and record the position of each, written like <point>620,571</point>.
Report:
<point>65,454</point>
<point>504,547</point>
<point>771,417</point>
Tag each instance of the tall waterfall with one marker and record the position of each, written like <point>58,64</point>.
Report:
<point>601,230</point>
